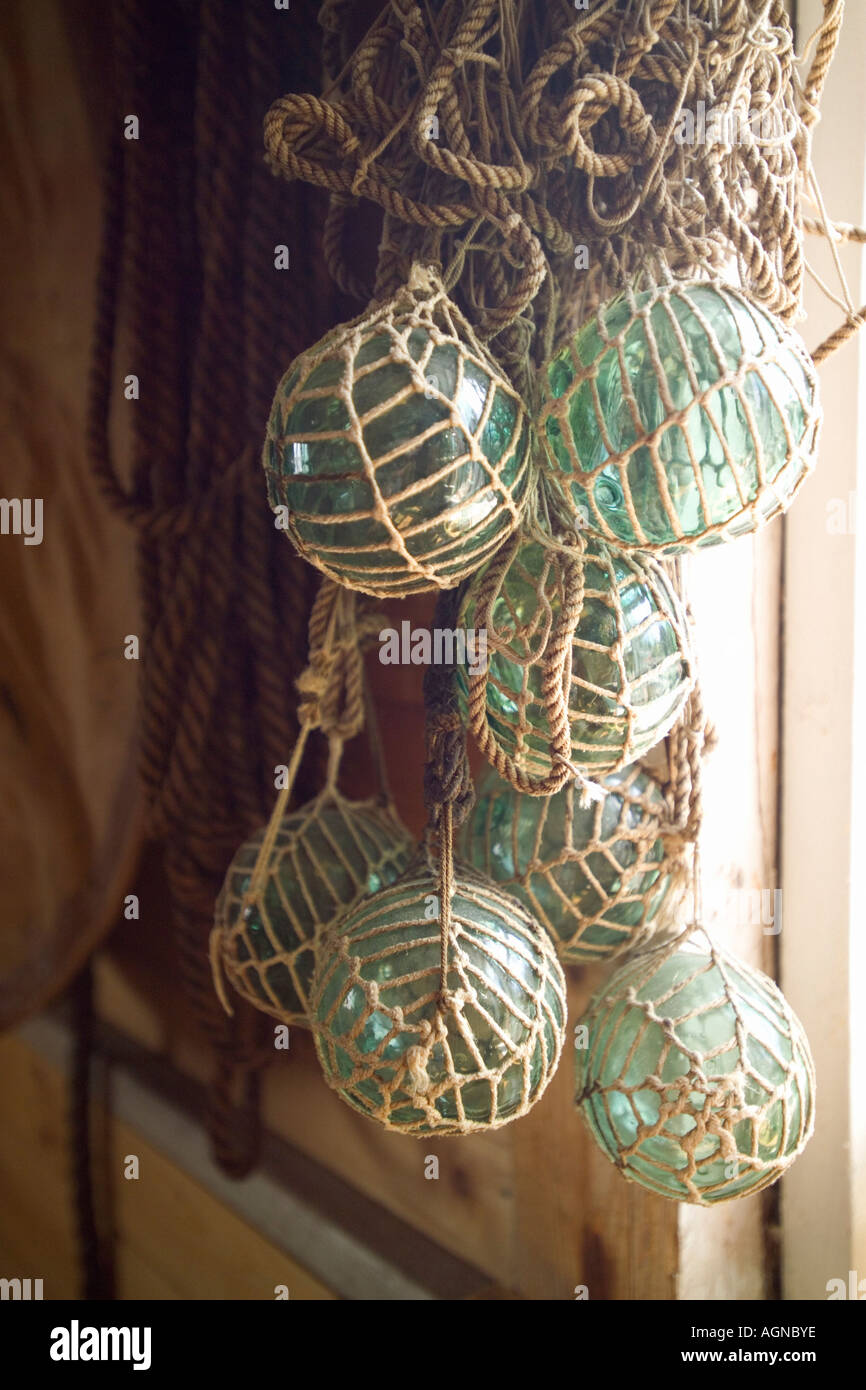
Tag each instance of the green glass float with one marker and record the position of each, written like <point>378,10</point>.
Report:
<point>679,418</point>
<point>397,449</point>
<point>598,877</point>
<point>326,857</point>
<point>421,1060</point>
<point>631,664</point>
<point>696,1079</point>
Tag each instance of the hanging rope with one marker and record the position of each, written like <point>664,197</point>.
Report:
<point>499,140</point>
<point>447,778</point>
<point>191,222</point>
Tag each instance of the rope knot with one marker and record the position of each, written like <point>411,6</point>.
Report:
<point>416,1066</point>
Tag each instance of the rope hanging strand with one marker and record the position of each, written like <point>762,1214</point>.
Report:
<point>691,740</point>
<point>219,639</point>
<point>448,790</point>
<point>319,859</point>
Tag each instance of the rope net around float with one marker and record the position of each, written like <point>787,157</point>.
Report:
<point>696,425</point>
<point>420,465</point>
<point>439,1004</point>
<point>572,685</point>
<point>324,859</point>
<point>464,1010</point>
<point>603,879</point>
<point>300,873</point>
<point>697,1079</point>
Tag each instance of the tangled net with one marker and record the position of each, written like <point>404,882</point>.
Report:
<point>548,158</point>
<point>500,137</point>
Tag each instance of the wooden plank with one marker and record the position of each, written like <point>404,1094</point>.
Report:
<point>580,1230</point>
<point>735,593</point>
<point>37,1234</point>
<point>824,757</point>
<point>468,1210</point>
<point>174,1238</point>
<point>172,1232</point>
<point>351,1244</point>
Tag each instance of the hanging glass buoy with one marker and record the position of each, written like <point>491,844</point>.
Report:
<point>598,877</point>
<point>631,664</point>
<point>397,449</point>
<point>421,1058</point>
<point>694,1075</point>
<point>681,416</point>
<point>326,857</point>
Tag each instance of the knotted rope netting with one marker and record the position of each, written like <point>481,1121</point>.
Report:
<point>544,158</point>
<point>536,162</point>
<point>696,1076</point>
<point>652,463</point>
<point>602,879</point>
<point>567,689</point>
<point>424,444</point>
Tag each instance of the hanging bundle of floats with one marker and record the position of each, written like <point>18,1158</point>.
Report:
<point>542,445</point>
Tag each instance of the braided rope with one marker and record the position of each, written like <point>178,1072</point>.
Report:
<point>189,229</point>
<point>496,132</point>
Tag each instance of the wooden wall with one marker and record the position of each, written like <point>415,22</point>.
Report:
<point>174,1240</point>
